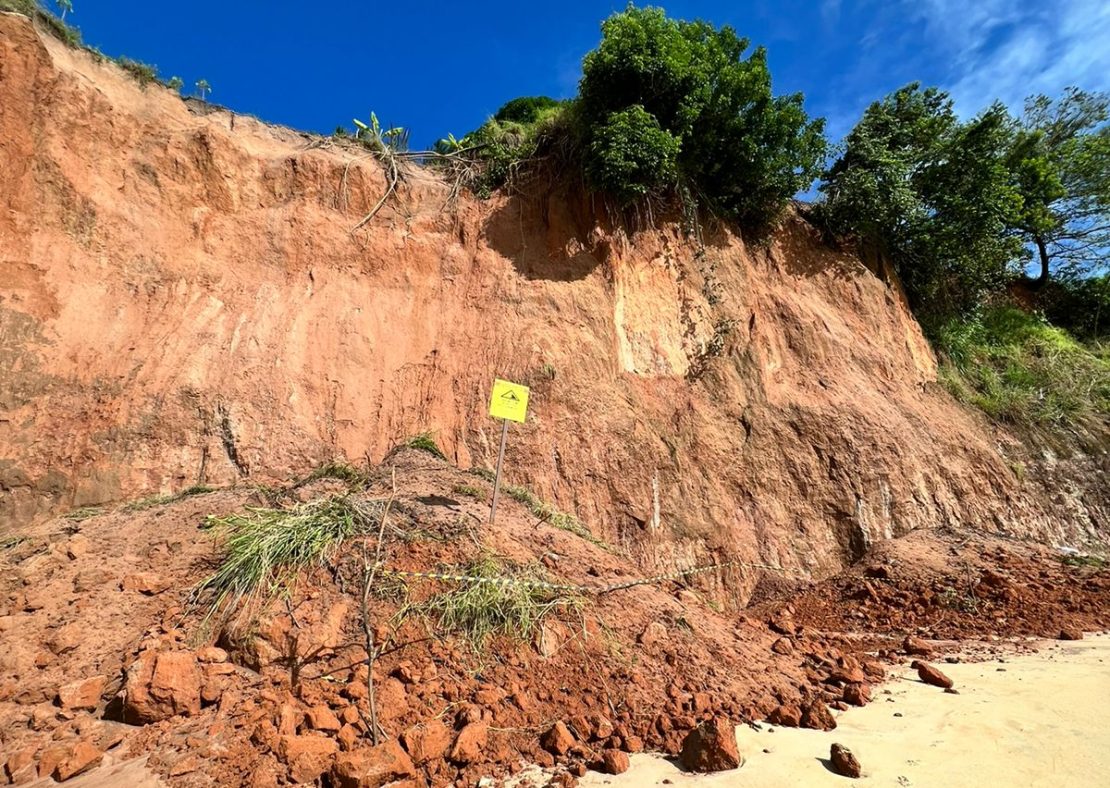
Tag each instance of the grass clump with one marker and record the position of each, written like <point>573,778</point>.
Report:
<point>425,442</point>
<point>549,514</point>
<point>470,491</point>
<point>84,513</point>
<point>1018,368</point>
<point>339,471</point>
<point>265,550</point>
<point>1080,561</point>
<point>144,73</point>
<point>162,500</point>
<point>479,611</point>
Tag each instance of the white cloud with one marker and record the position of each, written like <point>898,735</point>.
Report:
<point>1010,50</point>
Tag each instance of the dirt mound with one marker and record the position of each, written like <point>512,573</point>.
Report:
<point>955,586</point>
<point>105,650</point>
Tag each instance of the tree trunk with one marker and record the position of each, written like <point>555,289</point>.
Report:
<point>1042,250</point>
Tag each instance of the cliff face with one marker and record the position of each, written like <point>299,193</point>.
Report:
<point>182,301</point>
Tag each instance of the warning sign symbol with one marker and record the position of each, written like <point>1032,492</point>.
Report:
<point>508,401</point>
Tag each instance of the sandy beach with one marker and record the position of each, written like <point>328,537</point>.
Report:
<point>1032,720</point>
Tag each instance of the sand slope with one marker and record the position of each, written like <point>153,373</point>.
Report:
<point>1042,720</point>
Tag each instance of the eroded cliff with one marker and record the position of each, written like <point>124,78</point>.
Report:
<point>182,301</point>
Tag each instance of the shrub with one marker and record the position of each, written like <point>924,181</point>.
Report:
<point>142,72</point>
<point>1080,304</point>
<point>631,155</point>
<point>426,443</point>
<point>526,109</point>
<point>1018,368</point>
<point>739,148</point>
<point>480,610</point>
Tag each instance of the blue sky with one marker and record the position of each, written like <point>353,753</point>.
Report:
<point>446,67</point>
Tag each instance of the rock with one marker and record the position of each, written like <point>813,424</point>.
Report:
<point>66,639</point>
<point>817,716</point>
<point>307,756</point>
<point>787,715</point>
<point>603,728</point>
<point>878,572</point>
<point>82,757</point>
<point>711,747</point>
<point>1070,633</point>
<point>558,739</point>
<point>931,675</point>
<point>469,743</point>
<point>857,694</point>
<point>653,633</point>
<point>783,646</point>
<point>322,718</point>
<point>211,655</point>
<point>372,767</point>
<point>916,647</point>
<point>633,744</point>
<point>612,762</point>
<point>844,762</point>
<point>427,741</point>
<point>146,583</point>
<point>77,546</point>
<point>849,674</point>
<point>20,767</point>
<point>82,695</point>
<point>160,685</point>
<point>783,623</point>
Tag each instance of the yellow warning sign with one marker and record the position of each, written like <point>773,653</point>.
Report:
<point>509,400</point>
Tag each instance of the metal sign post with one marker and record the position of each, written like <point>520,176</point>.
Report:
<point>508,402</point>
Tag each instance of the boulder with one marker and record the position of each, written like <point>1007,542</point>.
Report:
<point>558,739</point>
<point>81,757</point>
<point>82,695</point>
<point>857,694</point>
<point>931,675</point>
<point>427,741</point>
<point>783,646</point>
<point>711,747</point>
<point>307,757</point>
<point>322,718</point>
<point>653,633</point>
<point>469,743</point>
<point>817,716</point>
<point>788,715</point>
<point>844,762</point>
<point>372,767</point>
<point>146,583</point>
<point>612,761</point>
<point>916,647</point>
<point>1070,633</point>
<point>160,685</point>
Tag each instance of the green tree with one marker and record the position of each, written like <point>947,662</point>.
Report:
<point>203,88</point>
<point>175,83</point>
<point>933,194</point>
<point>728,140</point>
<point>66,6</point>
<point>1060,158</point>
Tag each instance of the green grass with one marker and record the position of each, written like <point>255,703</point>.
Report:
<point>482,473</point>
<point>162,500</point>
<point>266,550</point>
<point>8,542</point>
<point>144,73</point>
<point>80,515</point>
<point>425,442</point>
<point>549,514</point>
<point>470,491</point>
<point>1018,368</point>
<point>1083,560</point>
<point>338,470</point>
<point>479,611</point>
